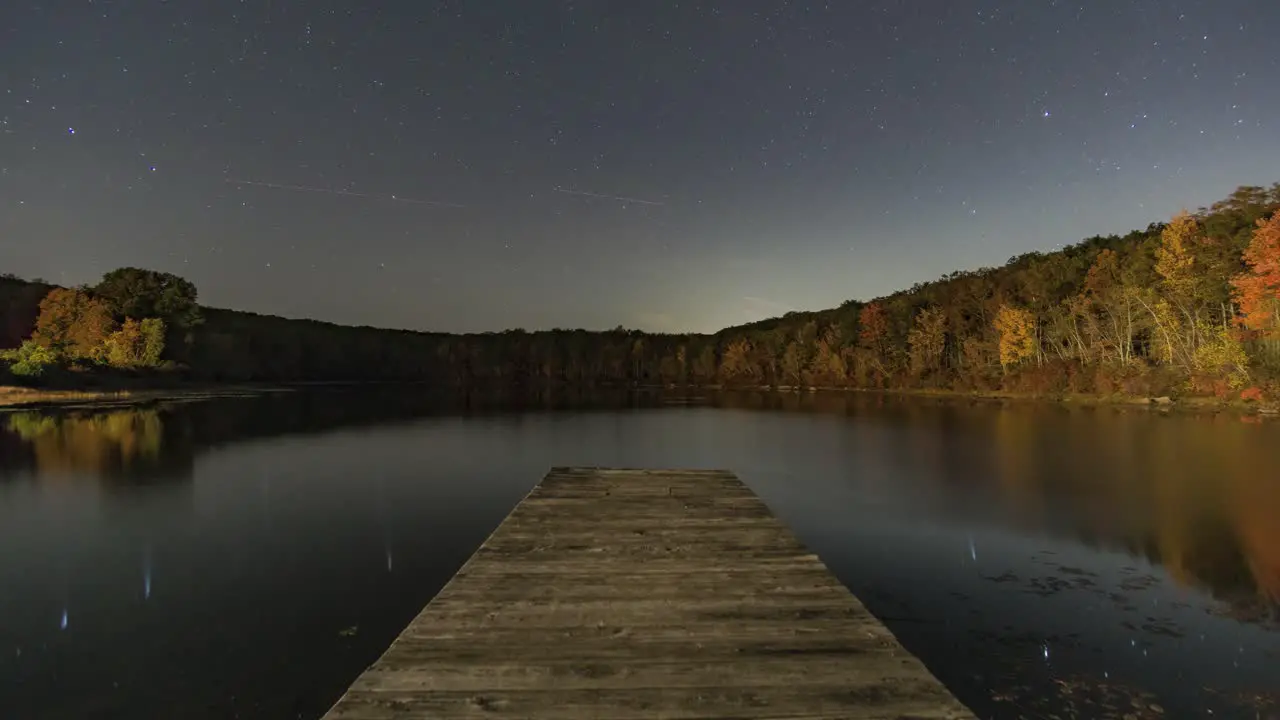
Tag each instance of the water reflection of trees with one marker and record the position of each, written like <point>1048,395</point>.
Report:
<point>130,446</point>
<point>159,442</point>
<point>1198,495</point>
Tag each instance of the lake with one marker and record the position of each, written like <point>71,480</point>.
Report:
<point>248,557</point>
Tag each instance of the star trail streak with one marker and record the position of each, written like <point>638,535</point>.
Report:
<point>347,193</point>
<point>619,198</point>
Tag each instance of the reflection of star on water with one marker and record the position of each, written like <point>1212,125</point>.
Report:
<point>146,574</point>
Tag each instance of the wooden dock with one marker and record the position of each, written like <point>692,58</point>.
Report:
<point>645,594</point>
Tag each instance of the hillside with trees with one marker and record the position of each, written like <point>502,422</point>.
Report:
<point>1190,306</point>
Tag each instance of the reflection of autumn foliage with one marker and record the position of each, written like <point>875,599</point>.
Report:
<point>1199,497</point>
<point>30,426</point>
<point>93,443</point>
<point>1254,502</point>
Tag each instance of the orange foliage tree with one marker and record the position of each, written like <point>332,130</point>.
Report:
<point>73,323</point>
<point>1258,290</point>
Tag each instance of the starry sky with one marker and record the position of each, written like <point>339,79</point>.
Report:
<point>670,166</point>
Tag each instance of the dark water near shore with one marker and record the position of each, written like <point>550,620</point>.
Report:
<point>248,557</point>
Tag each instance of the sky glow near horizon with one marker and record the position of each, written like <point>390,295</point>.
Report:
<point>469,166</point>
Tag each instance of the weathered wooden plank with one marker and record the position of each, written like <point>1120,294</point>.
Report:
<point>645,614</point>
<point>796,594</point>
<point>917,698</point>
<point>644,594</point>
<point>570,674</point>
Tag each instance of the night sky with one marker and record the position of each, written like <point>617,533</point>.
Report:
<point>663,165</point>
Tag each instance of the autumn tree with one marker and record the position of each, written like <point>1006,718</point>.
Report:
<point>674,366</point>
<point>1017,330</point>
<point>829,362</point>
<point>1175,261</point>
<point>73,323</point>
<point>1108,308</point>
<point>737,361</point>
<point>137,344</point>
<point>1257,290</point>
<point>1219,355</point>
<point>927,339</point>
<point>1185,293</point>
<point>704,364</point>
<point>873,325</point>
<point>792,364</point>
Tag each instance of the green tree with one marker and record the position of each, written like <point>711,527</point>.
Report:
<point>31,360</point>
<point>141,294</point>
<point>137,293</point>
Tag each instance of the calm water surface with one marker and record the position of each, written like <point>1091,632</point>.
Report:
<point>249,557</point>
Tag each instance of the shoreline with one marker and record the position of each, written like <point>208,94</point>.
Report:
<point>14,397</point>
<point>1186,403</point>
<point>18,397</point>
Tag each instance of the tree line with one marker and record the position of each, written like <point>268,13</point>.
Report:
<point>1191,305</point>
<point>129,320</point>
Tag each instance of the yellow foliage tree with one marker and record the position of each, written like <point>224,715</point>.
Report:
<point>136,344</point>
<point>828,363</point>
<point>736,362</point>
<point>1221,354</point>
<point>1017,329</point>
<point>1175,258</point>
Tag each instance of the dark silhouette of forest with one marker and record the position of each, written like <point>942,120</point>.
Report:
<point>1190,306</point>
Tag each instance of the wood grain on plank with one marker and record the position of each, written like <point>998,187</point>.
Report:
<point>612,593</point>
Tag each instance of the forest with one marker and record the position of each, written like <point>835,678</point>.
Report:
<point>1190,306</point>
